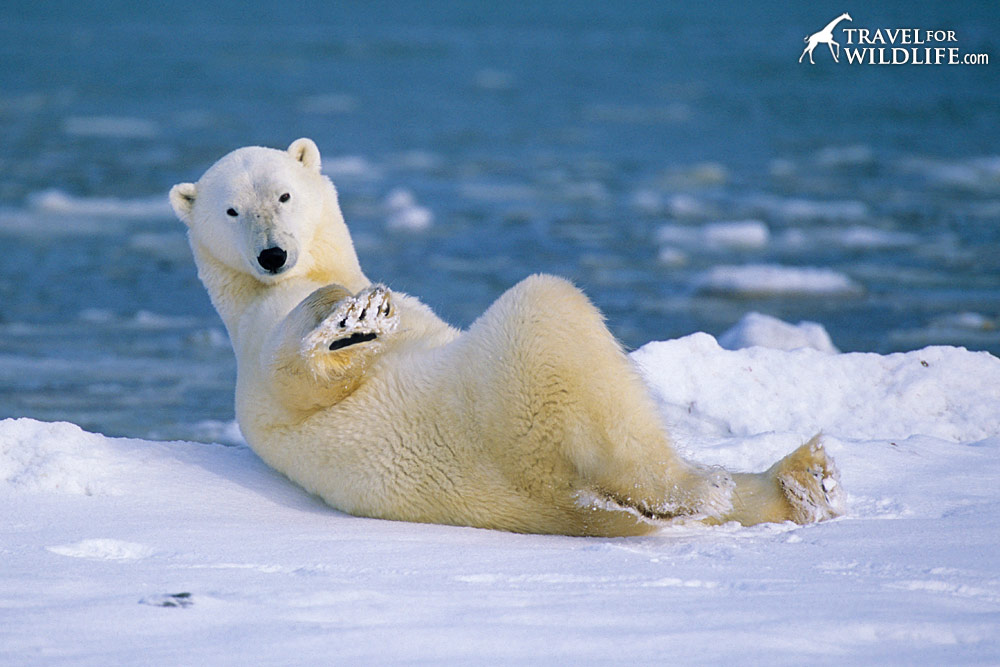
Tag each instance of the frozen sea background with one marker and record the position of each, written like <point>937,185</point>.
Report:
<point>674,160</point>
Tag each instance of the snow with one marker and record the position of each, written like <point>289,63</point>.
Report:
<point>856,395</point>
<point>123,551</point>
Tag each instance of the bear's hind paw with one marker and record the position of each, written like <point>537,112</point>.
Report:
<point>810,481</point>
<point>361,318</point>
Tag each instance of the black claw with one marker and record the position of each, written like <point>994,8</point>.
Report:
<point>364,311</point>
<point>343,323</point>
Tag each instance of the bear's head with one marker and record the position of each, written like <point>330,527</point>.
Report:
<point>265,212</point>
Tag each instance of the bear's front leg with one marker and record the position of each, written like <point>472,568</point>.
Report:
<point>320,352</point>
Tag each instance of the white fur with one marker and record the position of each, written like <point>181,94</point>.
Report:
<point>532,420</point>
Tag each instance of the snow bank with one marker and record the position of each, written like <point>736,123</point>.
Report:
<point>943,392</point>
<point>120,551</point>
<point>57,458</point>
<point>63,459</point>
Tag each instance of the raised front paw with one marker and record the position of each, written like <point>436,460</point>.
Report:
<point>362,318</point>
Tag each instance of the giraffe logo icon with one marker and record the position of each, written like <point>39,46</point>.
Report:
<point>824,36</point>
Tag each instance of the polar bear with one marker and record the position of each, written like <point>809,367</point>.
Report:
<point>533,420</point>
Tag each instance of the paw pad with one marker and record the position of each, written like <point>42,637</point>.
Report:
<point>352,340</point>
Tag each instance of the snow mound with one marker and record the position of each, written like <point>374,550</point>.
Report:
<point>758,330</point>
<point>63,459</point>
<point>943,392</point>
<point>57,458</point>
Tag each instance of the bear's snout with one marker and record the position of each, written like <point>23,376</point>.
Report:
<point>272,259</point>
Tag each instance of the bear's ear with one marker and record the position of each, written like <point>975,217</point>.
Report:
<point>182,199</point>
<point>305,151</point>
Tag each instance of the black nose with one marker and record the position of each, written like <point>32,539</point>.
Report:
<point>272,259</point>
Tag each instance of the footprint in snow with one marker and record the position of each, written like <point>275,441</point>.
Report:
<point>179,600</point>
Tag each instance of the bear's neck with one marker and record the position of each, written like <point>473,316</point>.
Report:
<point>234,292</point>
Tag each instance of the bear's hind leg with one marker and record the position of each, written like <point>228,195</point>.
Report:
<point>803,487</point>
<point>581,395</point>
<point>661,494</point>
<point>810,480</point>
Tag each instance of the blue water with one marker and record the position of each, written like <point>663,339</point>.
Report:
<point>604,142</point>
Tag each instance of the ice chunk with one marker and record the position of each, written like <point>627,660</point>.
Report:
<point>758,330</point>
<point>772,279</point>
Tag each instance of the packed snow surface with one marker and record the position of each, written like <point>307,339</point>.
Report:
<point>120,551</point>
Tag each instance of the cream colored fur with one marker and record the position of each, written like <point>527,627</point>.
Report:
<point>533,420</point>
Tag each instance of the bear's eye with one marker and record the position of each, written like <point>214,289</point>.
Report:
<point>285,197</point>
<point>231,212</point>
